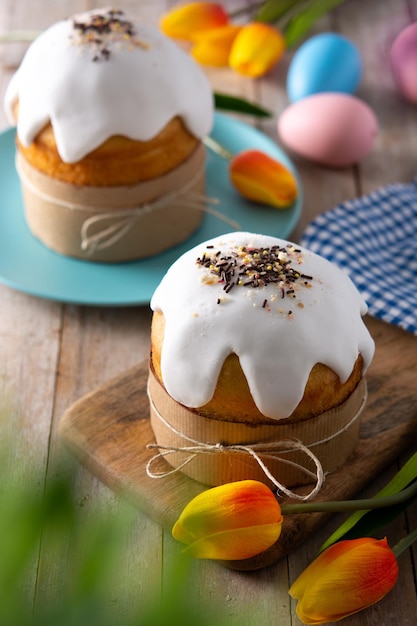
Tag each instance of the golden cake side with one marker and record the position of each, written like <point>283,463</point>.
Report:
<point>232,400</point>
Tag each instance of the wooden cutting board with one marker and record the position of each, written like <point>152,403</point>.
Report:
<point>108,430</point>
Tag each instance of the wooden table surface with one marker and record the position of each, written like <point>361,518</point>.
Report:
<point>54,353</point>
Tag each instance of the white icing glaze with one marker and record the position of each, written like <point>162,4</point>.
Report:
<point>277,349</point>
<point>135,92</point>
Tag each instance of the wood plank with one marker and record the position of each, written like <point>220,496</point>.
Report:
<point>29,348</point>
<point>392,158</point>
<point>97,344</point>
<point>109,429</point>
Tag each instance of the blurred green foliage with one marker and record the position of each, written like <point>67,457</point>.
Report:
<point>34,515</point>
<point>295,18</point>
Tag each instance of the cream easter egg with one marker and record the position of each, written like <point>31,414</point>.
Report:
<point>334,129</point>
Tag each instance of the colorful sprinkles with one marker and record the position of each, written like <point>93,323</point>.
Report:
<point>257,267</point>
<point>102,30</point>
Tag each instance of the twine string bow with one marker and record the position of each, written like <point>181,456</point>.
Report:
<point>257,451</point>
<point>110,225</point>
<point>123,220</point>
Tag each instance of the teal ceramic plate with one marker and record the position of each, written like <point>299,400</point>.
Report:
<point>28,266</point>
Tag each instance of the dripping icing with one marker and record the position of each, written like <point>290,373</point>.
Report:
<point>277,341</point>
<point>137,83</point>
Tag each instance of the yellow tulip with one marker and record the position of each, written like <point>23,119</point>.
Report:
<point>184,21</point>
<point>346,578</point>
<point>212,47</point>
<point>256,49</point>
<point>230,522</point>
<point>260,178</point>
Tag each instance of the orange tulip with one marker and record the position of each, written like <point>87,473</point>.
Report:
<point>260,178</point>
<point>256,49</point>
<point>346,578</point>
<point>212,47</point>
<point>184,21</point>
<point>230,522</point>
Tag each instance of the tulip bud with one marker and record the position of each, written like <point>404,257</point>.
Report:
<point>230,522</point>
<point>256,49</point>
<point>346,578</point>
<point>212,47</point>
<point>184,21</point>
<point>260,178</point>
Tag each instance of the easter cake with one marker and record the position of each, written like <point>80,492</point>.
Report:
<point>110,116</point>
<point>256,340</point>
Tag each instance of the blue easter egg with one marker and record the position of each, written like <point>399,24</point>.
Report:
<point>324,63</point>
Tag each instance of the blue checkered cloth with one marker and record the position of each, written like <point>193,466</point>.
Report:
<point>374,238</point>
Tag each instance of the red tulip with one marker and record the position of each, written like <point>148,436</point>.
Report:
<point>184,21</point>
<point>346,578</point>
<point>260,178</point>
<point>230,522</point>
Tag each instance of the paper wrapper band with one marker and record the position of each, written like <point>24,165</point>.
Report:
<point>330,436</point>
<point>112,224</point>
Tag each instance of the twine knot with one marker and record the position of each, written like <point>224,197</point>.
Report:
<point>260,452</point>
<point>123,220</point>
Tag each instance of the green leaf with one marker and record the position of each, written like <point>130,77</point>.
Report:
<point>238,105</point>
<point>272,10</point>
<point>303,21</point>
<point>376,519</point>
<point>406,475</point>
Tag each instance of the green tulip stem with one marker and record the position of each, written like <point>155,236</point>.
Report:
<point>405,543</point>
<point>217,148</point>
<point>244,10</point>
<point>351,505</point>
